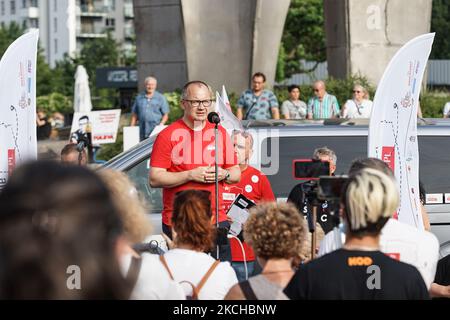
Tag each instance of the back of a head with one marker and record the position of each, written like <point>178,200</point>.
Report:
<point>191,219</point>
<point>130,207</point>
<point>53,217</point>
<point>374,163</point>
<point>370,197</point>
<point>70,155</point>
<point>275,231</point>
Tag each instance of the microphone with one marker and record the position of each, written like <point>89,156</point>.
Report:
<point>213,117</point>
<point>82,143</point>
<point>80,146</point>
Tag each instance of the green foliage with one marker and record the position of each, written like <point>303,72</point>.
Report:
<point>176,112</point>
<point>44,76</point>
<point>440,23</point>
<point>432,103</point>
<point>303,35</point>
<point>54,102</point>
<point>8,34</point>
<point>64,72</point>
<point>281,63</point>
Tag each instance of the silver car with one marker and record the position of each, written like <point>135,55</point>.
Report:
<point>279,142</point>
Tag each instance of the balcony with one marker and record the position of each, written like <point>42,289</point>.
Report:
<point>128,12</point>
<point>89,32</point>
<point>30,13</point>
<point>129,32</point>
<point>91,11</point>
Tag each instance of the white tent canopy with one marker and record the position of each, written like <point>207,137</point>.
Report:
<point>82,95</point>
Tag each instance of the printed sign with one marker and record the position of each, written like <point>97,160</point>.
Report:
<point>102,124</point>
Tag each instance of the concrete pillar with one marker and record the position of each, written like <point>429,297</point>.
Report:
<point>270,17</point>
<point>363,35</point>
<point>220,42</point>
<point>160,43</point>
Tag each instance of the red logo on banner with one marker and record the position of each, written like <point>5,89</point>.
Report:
<point>388,156</point>
<point>394,255</point>
<point>395,215</point>
<point>11,160</point>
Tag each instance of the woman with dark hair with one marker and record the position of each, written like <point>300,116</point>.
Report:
<point>201,276</point>
<point>58,235</point>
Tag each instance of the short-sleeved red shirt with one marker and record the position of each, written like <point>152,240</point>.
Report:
<point>179,148</point>
<point>255,186</point>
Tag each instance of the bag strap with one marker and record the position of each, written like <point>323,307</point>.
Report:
<point>250,109</point>
<point>247,290</point>
<point>195,289</point>
<point>164,262</point>
<point>133,270</point>
<point>207,275</point>
<point>357,107</point>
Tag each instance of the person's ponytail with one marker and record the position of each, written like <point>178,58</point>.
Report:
<point>191,219</point>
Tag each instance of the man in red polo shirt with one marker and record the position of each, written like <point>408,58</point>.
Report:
<point>255,186</point>
<point>183,156</point>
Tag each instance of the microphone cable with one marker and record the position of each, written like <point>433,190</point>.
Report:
<point>230,236</point>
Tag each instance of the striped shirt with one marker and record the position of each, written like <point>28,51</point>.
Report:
<point>327,108</point>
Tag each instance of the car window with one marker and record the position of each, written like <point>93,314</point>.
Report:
<point>139,175</point>
<point>434,159</point>
<point>434,163</point>
<point>347,148</point>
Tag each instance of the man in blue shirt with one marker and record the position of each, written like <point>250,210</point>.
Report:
<point>258,103</point>
<point>150,108</point>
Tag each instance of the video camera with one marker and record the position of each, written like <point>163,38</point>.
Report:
<point>82,142</point>
<point>319,185</point>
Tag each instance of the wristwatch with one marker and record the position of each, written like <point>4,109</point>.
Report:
<point>227,176</point>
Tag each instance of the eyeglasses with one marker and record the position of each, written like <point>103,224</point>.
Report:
<point>196,103</point>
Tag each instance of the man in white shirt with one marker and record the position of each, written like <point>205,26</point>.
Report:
<point>446,111</point>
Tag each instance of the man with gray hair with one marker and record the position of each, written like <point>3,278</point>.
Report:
<point>323,105</point>
<point>149,109</point>
<point>297,195</point>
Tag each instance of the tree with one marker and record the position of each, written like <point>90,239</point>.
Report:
<point>303,35</point>
<point>96,53</point>
<point>440,23</point>
<point>8,35</point>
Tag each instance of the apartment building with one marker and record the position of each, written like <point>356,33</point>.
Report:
<point>64,25</point>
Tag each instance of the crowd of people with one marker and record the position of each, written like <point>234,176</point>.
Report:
<point>79,237</point>
<point>150,108</point>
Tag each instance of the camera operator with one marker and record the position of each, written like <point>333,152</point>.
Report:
<point>360,270</point>
<point>297,194</point>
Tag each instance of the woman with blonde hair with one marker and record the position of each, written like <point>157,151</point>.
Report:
<point>276,233</point>
<point>359,106</point>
